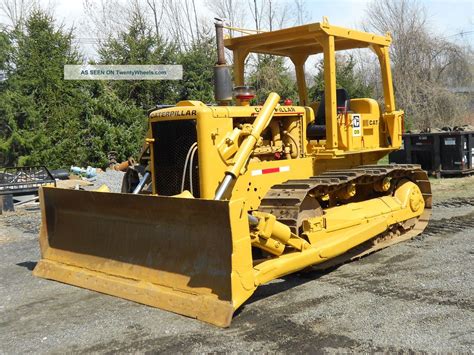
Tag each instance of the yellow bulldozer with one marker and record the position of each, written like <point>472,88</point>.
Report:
<point>232,196</point>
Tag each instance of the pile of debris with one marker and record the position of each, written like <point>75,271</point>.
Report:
<point>19,185</point>
<point>463,128</point>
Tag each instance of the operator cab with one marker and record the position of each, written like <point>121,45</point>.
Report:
<point>337,122</point>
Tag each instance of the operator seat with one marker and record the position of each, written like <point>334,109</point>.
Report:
<point>317,128</point>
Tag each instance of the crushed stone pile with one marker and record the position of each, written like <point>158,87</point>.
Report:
<point>111,178</point>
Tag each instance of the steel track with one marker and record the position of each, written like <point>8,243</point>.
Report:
<point>287,202</point>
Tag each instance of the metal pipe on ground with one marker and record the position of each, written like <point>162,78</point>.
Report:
<point>142,182</point>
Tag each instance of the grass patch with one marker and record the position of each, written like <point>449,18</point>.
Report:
<point>383,161</point>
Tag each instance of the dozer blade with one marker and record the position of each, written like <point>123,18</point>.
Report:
<point>187,256</point>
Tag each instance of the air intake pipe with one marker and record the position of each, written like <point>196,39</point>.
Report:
<point>222,76</point>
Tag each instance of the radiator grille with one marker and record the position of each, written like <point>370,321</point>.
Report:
<point>173,139</point>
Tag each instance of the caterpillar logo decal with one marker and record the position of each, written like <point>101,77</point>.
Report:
<point>289,110</point>
<point>356,129</point>
<point>175,113</point>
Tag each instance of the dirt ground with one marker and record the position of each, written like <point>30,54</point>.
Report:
<point>414,296</point>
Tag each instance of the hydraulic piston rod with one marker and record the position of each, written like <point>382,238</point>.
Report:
<point>241,157</point>
<point>246,148</point>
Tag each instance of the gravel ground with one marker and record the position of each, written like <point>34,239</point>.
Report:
<point>415,296</point>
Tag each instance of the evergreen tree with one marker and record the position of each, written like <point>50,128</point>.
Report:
<point>112,124</point>
<point>35,102</point>
<point>47,120</point>
<point>139,45</point>
<point>198,74</point>
<point>271,74</point>
<point>347,77</point>
<point>5,49</point>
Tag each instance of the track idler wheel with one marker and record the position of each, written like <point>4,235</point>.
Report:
<point>409,194</point>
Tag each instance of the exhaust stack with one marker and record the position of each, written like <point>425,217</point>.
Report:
<point>222,77</point>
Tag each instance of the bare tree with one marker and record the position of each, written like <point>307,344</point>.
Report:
<point>174,20</point>
<point>257,8</point>
<point>101,19</point>
<point>264,14</point>
<point>230,11</point>
<point>156,7</point>
<point>182,22</point>
<point>302,13</point>
<point>424,65</point>
<point>277,14</point>
<point>196,22</point>
<point>16,11</point>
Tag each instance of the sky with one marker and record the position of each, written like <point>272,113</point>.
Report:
<point>448,18</point>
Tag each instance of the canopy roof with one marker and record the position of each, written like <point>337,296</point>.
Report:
<point>303,40</point>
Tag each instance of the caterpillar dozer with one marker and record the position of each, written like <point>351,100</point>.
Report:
<point>231,196</point>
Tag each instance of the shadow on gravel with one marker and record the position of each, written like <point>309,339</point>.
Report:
<point>287,282</point>
<point>30,265</point>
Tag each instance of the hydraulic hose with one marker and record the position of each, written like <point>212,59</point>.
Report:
<point>190,150</point>
<point>191,159</point>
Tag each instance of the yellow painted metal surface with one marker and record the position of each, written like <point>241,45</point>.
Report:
<point>194,256</point>
<point>284,42</point>
<point>298,43</point>
<point>141,248</point>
